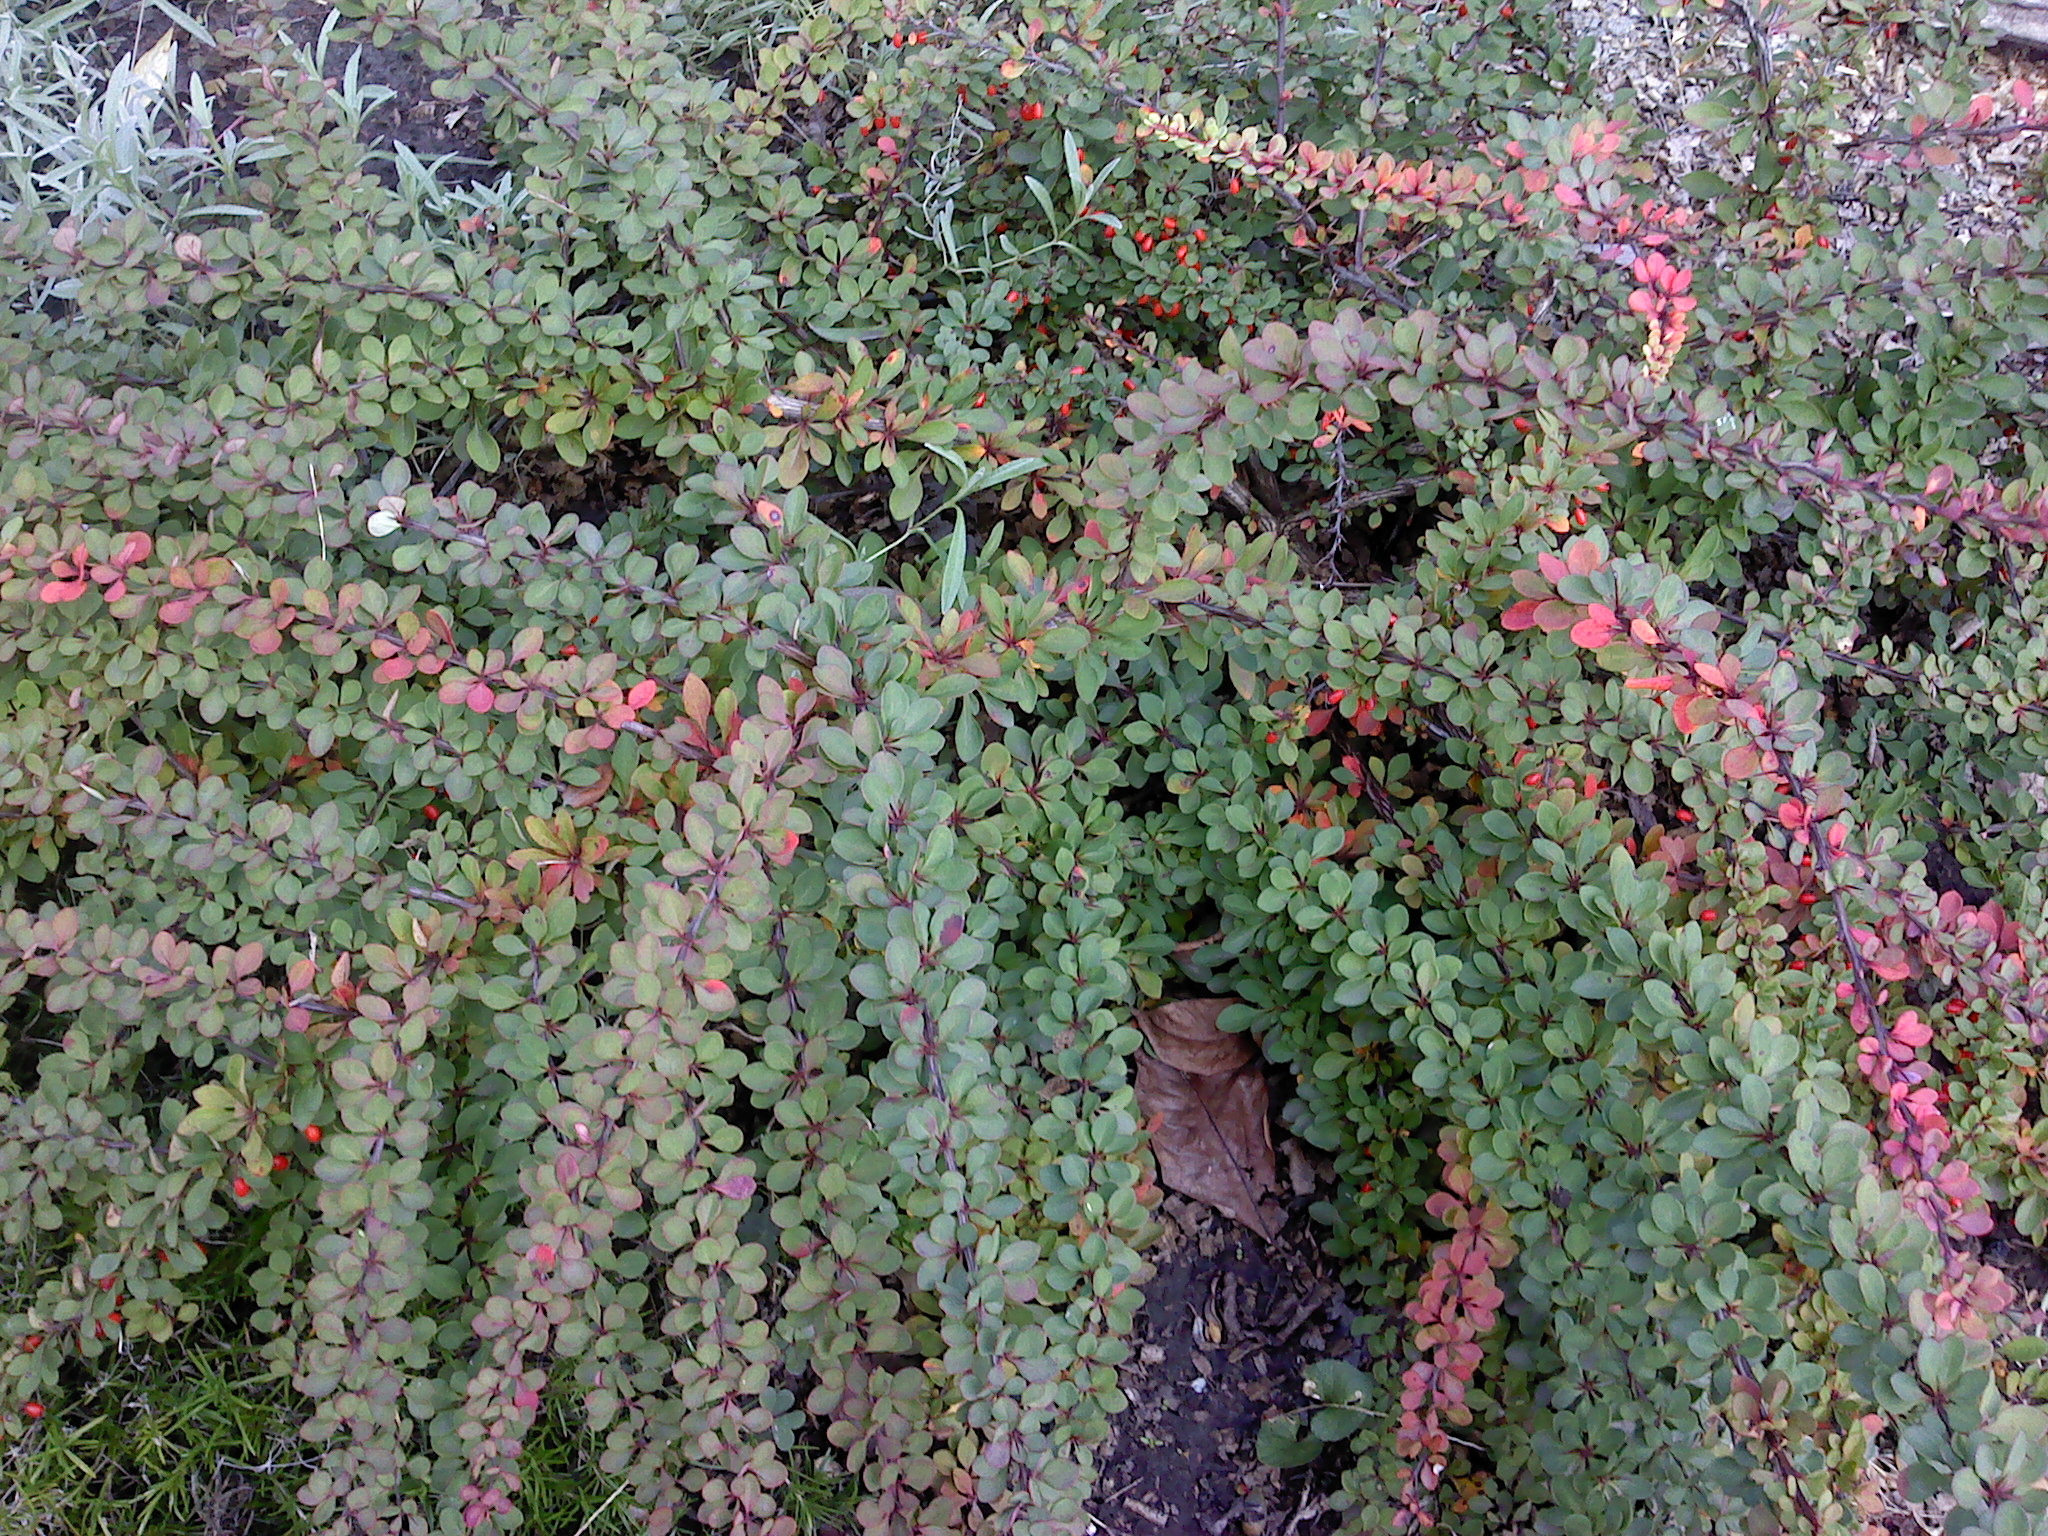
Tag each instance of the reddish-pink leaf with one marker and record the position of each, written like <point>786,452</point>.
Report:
<point>1692,710</point>
<point>1593,632</point>
<point>737,1185</point>
<point>1521,615</point>
<point>480,698</point>
<point>265,641</point>
<point>61,591</point>
<point>396,670</point>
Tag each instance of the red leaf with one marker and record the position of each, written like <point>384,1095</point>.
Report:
<point>1692,710</point>
<point>1522,615</point>
<point>1582,557</point>
<point>1592,632</point>
<point>177,610</point>
<point>480,698</point>
<point>396,670</point>
<point>61,591</point>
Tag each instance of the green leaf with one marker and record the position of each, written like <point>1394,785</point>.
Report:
<point>1280,1443</point>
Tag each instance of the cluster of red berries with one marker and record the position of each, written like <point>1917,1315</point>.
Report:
<point>278,1164</point>
<point>1184,253</point>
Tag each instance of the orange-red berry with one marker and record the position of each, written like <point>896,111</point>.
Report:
<point>314,1133</point>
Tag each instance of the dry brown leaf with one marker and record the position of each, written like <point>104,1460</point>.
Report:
<point>1205,1096</point>
<point>1211,1138</point>
<point>1185,1035</point>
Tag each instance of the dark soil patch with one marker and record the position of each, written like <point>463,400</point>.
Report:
<point>413,116</point>
<point>618,478</point>
<point>1229,1324</point>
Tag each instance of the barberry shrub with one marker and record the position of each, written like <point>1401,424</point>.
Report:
<point>1109,522</point>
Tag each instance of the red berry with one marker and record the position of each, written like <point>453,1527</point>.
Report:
<point>114,1318</point>
<point>1798,965</point>
<point>1709,915</point>
<point>33,1410</point>
<point>570,652</point>
<point>33,1341</point>
<point>314,1133</point>
<point>1521,424</point>
<point>1685,816</point>
<point>432,813</point>
<point>1807,898</point>
<point>1272,737</point>
<point>1032,111</point>
<point>1533,778</point>
<point>279,1163</point>
<point>241,1188</point>
<point>1955,1006</point>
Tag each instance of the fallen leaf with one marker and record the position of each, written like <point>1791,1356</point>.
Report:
<point>1186,1035</point>
<point>1204,1096</point>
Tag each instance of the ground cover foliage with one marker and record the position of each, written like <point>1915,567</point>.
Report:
<point>1134,503</point>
